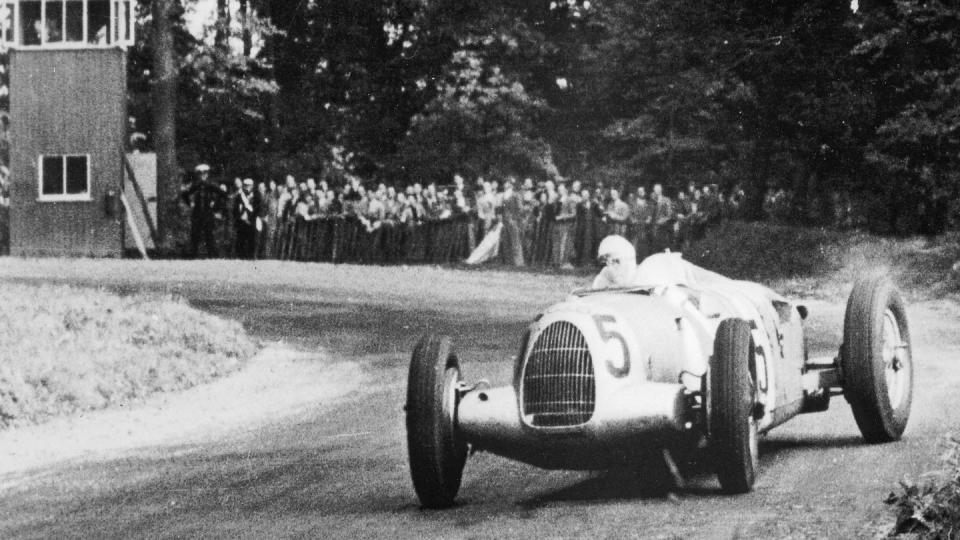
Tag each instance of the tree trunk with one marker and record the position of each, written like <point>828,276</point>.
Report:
<point>245,23</point>
<point>165,125</point>
<point>223,23</point>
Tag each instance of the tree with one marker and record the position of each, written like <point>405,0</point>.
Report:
<point>911,66</point>
<point>480,123</point>
<point>222,96</point>
<point>165,14</point>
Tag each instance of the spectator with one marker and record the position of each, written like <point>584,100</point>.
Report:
<point>546,216</point>
<point>617,214</point>
<point>589,228</point>
<point>563,226</point>
<point>663,219</point>
<point>268,216</point>
<point>247,221</point>
<point>205,200</point>
<point>486,208</point>
<point>711,208</point>
<point>641,217</point>
<point>684,217</point>
<point>511,214</point>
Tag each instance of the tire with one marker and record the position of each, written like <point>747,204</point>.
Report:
<point>876,360</point>
<point>437,453</point>
<point>733,428</point>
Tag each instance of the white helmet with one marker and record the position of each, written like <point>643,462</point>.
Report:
<point>616,247</point>
<point>619,261</point>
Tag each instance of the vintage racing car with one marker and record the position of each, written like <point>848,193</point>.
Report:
<point>696,360</point>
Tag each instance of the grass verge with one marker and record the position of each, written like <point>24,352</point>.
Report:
<point>65,349</point>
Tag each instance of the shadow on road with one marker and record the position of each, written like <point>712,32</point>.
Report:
<point>696,471</point>
<point>358,329</point>
<point>771,446</point>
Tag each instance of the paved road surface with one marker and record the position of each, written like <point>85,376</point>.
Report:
<point>338,469</point>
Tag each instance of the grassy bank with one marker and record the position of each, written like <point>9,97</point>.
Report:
<point>825,263</point>
<point>65,349</point>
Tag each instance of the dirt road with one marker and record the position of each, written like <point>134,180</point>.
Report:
<point>334,466</point>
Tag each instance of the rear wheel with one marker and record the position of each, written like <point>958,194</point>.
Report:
<point>733,428</point>
<point>437,453</point>
<point>876,360</point>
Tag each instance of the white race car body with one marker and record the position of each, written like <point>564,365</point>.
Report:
<point>605,371</point>
<point>687,359</point>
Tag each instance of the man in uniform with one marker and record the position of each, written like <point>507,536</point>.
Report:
<point>205,199</point>
<point>246,220</point>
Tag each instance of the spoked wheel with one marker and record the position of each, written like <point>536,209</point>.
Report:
<point>732,394</point>
<point>897,372</point>
<point>876,360</point>
<point>437,453</point>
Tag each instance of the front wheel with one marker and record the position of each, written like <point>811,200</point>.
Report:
<point>876,360</point>
<point>733,427</point>
<point>437,453</point>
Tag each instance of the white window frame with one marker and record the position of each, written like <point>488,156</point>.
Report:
<point>63,195</point>
<point>115,27</point>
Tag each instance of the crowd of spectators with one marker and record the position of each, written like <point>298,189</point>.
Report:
<point>542,223</point>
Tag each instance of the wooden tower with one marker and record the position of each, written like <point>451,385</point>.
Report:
<point>68,124</point>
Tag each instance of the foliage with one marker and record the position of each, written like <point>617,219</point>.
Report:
<point>224,97</point>
<point>912,61</point>
<point>824,262</point>
<point>805,96</point>
<point>352,74</point>
<point>931,509</point>
<point>763,252</point>
<point>480,123</point>
<point>656,66</point>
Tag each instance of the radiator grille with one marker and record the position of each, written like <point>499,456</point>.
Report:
<point>558,384</point>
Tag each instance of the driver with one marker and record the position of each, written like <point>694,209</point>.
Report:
<point>620,269</point>
<point>619,261</point>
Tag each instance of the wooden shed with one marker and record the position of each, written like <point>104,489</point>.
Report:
<point>68,125</point>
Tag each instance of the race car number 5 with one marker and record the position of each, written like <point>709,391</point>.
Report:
<point>618,354</point>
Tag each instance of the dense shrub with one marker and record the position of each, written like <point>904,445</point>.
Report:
<point>826,262</point>
<point>766,251</point>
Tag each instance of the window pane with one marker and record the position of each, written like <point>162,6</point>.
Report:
<point>54,22</point>
<point>125,21</point>
<point>52,175</point>
<point>98,15</point>
<point>74,21</point>
<point>7,13</point>
<point>76,174</point>
<point>30,22</point>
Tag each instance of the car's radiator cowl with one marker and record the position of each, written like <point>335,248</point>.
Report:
<point>557,388</point>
